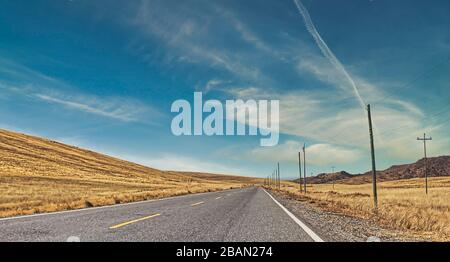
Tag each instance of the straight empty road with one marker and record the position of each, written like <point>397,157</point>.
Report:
<point>249,214</point>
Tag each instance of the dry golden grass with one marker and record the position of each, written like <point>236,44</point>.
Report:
<point>403,204</point>
<point>39,175</point>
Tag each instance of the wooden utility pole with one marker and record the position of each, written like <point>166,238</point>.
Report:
<point>279,176</point>
<point>300,171</point>
<point>304,166</point>
<point>276,178</point>
<point>276,174</point>
<point>425,139</point>
<point>332,172</point>
<point>374,170</point>
<point>273,181</point>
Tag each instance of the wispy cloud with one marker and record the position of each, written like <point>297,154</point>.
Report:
<point>176,162</point>
<point>314,115</point>
<point>247,34</point>
<point>318,154</point>
<point>29,83</point>
<point>187,37</point>
<point>329,115</point>
<point>326,51</point>
<point>319,68</point>
<point>213,84</point>
<point>111,108</point>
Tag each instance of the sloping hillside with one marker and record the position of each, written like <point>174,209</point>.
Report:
<point>39,175</point>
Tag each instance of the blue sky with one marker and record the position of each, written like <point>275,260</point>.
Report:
<point>103,75</point>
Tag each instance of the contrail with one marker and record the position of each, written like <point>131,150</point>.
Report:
<point>325,50</point>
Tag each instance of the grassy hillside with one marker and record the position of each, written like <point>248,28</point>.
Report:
<point>39,175</point>
<point>403,204</point>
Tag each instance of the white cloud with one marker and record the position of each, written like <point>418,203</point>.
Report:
<point>327,51</point>
<point>174,162</point>
<point>318,154</point>
<point>314,116</point>
<point>326,154</point>
<point>128,111</point>
<point>29,83</point>
<point>246,34</point>
<point>212,84</point>
<point>328,115</point>
<point>187,37</point>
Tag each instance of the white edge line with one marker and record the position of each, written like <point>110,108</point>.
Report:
<point>305,228</point>
<point>111,206</point>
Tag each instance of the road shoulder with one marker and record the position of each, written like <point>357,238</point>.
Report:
<point>335,227</point>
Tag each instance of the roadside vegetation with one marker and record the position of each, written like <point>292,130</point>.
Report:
<point>403,204</point>
<point>39,175</point>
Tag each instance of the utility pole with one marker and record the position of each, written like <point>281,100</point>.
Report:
<point>273,178</point>
<point>277,179</point>
<point>372,151</point>
<point>304,166</point>
<point>425,139</point>
<point>332,172</point>
<point>300,171</point>
<point>279,176</point>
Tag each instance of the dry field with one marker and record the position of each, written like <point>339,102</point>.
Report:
<point>39,175</point>
<point>403,204</point>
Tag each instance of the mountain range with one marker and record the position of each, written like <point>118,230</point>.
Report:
<point>437,166</point>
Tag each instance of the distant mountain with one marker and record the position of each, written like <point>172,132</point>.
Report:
<point>328,177</point>
<point>437,166</point>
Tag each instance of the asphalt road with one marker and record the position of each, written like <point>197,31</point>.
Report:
<point>249,214</point>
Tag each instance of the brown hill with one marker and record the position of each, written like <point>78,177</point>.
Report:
<point>437,166</point>
<point>324,178</point>
<point>40,175</point>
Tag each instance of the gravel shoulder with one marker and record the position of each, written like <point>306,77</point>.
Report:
<point>333,227</point>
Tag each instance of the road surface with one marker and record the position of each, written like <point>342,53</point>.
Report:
<point>248,214</point>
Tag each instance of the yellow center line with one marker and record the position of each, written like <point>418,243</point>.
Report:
<point>218,197</point>
<point>133,221</point>
<point>198,203</point>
